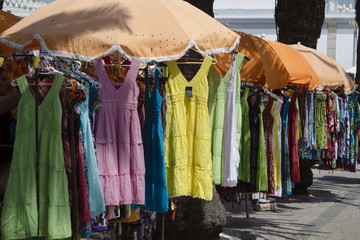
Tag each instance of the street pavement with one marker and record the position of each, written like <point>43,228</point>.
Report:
<point>330,210</point>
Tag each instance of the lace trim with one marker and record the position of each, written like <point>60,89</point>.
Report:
<point>137,175</point>
<point>42,124</point>
<point>178,135</point>
<point>104,141</point>
<point>31,165</point>
<point>34,234</point>
<point>32,202</point>
<point>118,48</point>
<point>186,167</point>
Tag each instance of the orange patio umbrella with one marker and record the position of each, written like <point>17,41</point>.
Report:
<point>159,30</point>
<point>7,20</point>
<point>251,71</point>
<point>330,72</point>
<point>273,63</point>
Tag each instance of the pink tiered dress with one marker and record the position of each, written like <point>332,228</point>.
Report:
<point>118,139</point>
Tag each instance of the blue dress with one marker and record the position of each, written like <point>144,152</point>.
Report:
<point>96,196</point>
<point>156,195</point>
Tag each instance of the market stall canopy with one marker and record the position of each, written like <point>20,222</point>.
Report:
<point>298,68</point>
<point>330,72</point>
<point>7,20</point>
<point>251,71</point>
<point>273,63</point>
<point>159,30</point>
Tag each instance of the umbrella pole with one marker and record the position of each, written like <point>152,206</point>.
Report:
<point>163,227</point>
<point>36,64</point>
<point>246,206</point>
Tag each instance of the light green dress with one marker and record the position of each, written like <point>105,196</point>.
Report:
<point>244,146</point>
<point>21,213</point>
<point>216,104</point>
<point>261,176</point>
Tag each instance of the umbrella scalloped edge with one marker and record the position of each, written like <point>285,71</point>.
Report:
<point>117,48</point>
<point>341,85</point>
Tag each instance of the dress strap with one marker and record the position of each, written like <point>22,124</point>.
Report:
<point>57,83</point>
<point>246,93</point>
<point>101,71</point>
<point>173,68</point>
<point>239,61</point>
<point>147,84</point>
<point>157,76</point>
<point>134,70</point>
<point>23,84</point>
<point>205,67</point>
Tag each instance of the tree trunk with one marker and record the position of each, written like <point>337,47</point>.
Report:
<point>299,21</point>
<point>357,78</point>
<point>204,5</point>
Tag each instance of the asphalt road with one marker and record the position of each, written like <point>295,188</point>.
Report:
<point>331,210</point>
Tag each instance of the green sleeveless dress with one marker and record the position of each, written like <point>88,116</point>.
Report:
<point>21,214</point>
<point>216,104</point>
<point>244,145</point>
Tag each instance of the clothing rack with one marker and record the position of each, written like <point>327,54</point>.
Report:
<point>37,147</point>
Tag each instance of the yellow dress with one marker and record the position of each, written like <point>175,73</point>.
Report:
<point>276,148</point>
<point>187,139</point>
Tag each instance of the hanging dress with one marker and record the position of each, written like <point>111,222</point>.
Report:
<point>285,162</point>
<point>82,176</point>
<point>217,101</point>
<point>261,175</point>
<point>244,146</point>
<point>321,130</point>
<point>96,196</point>
<point>332,135</point>
<point>254,117</point>
<point>268,120</point>
<point>232,124</point>
<point>118,139</point>
<point>156,195</point>
<point>276,142</point>
<point>187,140</point>
<point>354,120</point>
<point>21,215</point>
<point>293,141</point>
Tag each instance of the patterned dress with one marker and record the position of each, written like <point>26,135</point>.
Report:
<point>285,161</point>
<point>268,132</point>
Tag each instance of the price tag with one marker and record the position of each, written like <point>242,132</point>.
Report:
<point>188,91</point>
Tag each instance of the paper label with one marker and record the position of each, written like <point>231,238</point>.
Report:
<point>188,91</point>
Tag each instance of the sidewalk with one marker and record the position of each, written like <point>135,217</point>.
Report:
<point>331,210</point>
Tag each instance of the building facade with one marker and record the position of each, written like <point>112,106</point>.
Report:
<point>23,8</point>
<point>338,36</point>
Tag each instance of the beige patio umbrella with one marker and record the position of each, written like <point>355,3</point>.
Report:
<point>7,20</point>
<point>157,30</point>
<point>330,72</point>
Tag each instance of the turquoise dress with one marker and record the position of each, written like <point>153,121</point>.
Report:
<point>96,196</point>
<point>156,194</point>
<point>21,214</point>
<point>285,161</point>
